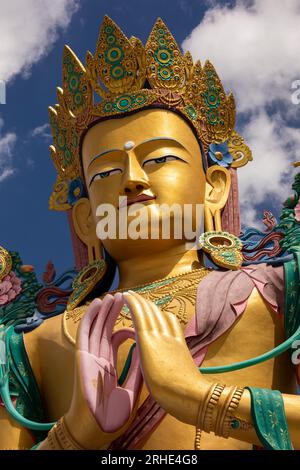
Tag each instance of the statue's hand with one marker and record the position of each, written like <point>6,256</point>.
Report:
<point>102,408</point>
<point>167,365</point>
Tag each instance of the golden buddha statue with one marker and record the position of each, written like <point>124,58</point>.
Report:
<point>120,370</point>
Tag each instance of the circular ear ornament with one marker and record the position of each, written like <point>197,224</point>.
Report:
<point>85,282</point>
<point>5,263</point>
<point>223,248</point>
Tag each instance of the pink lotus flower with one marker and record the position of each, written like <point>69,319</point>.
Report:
<point>10,287</point>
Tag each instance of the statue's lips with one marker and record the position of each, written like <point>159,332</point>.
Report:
<point>140,198</point>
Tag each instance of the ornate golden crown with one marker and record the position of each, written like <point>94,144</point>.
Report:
<point>134,77</point>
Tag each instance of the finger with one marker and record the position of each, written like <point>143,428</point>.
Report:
<point>134,378</point>
<point>86,324</point>
<point>107,387</point>
<point>109,380</point>
<point>105,345</point>
<point>162,322</point>
<point>144,311</point>
<point>147,309</point>
<point>100,391</point>
<point>96,332</point>
<point>169,321</point>
<point>175,326</point>
<point>119,337</point>
<point>159,318</point>
<point>137,312</point>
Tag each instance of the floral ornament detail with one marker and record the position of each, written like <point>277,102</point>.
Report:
<point>219,154</point>
<point>10,287</point>
<point>224,249</point>
<point>85,282</point>
<point>76,191</point>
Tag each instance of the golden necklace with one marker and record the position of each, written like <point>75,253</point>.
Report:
<point>171,294</point>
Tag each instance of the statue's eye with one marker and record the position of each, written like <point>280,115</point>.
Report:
<point>166,158</point>
<point>104,174</point>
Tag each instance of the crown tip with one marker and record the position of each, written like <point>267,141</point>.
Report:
<point>108,21</point>
<point>52,111</point>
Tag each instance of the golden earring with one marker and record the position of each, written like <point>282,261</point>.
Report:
<point>86,281</point>
<point>224,249</point>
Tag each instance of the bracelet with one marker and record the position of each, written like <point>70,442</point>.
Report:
<point>59,437</point>
<point>209,418</point>
<point>228,404</point>
<point>233,405</point>
<point>52,440</point>
<point>216,411</point>
<point>207,406</point>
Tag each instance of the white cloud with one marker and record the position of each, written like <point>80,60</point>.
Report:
<point>255,49</point>
<point>275,146</point>
<point>6,173</point>
<point>7,143</point>
<point>42,131</point>
<point>28,29</point>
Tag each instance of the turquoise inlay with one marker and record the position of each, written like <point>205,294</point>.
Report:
<point>192,113</point>
<point>109,29</point>
<point>124,102</point>
<point>235,424</point>
<point>153,285</point>
<point>117,72</point>
<point>114,54</point>
<point>163,300</point>
<point>74,82</point>
<point>111,39</point>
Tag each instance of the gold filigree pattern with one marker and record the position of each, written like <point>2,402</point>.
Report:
<point>164,59</point>
<point>77,90</point>
<point>59,196</point>
<point>217,110</point>
<point>239,150</point>
<point>172,295</point>
<point>116,59</point>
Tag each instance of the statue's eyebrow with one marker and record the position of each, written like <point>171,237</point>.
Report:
<point>139,145</point>
<point>101,155</point>
<point>159,138</point>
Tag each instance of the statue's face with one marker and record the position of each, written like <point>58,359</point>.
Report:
<point>152,154</point>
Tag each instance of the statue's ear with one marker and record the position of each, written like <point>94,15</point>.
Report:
<point>217,189</point>
<point>85,228</point>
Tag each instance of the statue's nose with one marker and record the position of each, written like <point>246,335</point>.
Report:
<point>136,186</point>
<point>135,179</point>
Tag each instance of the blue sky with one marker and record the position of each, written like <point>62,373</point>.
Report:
<point>26,223</point>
